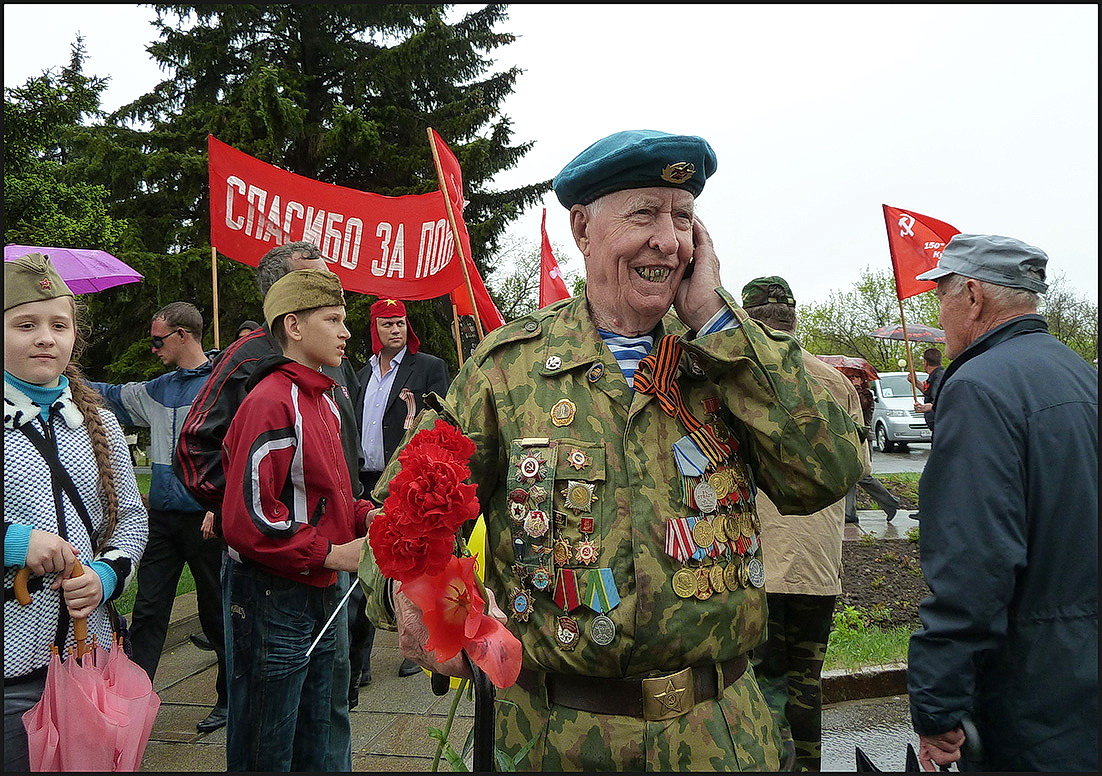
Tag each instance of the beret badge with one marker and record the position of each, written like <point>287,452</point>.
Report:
<point>46,284</point>
<point>678,172</point>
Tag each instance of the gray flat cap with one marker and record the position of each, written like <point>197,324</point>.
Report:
<point>1003,261</point>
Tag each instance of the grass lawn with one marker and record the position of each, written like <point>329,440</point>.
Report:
<point>125,602</point>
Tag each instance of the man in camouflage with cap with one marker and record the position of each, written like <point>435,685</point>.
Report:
<point>619,447</point>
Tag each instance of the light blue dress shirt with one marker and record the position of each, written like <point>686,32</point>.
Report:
<point>375,401</point>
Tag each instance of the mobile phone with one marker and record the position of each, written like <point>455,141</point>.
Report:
<point>689,269</point>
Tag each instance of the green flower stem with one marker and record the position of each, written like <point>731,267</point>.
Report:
<point>448,726</point>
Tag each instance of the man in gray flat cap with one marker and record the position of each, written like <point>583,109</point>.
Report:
<point>1009,540</point>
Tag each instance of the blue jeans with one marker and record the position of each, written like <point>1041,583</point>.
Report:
<point>287,711</point>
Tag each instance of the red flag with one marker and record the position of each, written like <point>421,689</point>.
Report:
<point>451,176</point>
<point>397,247</point>
<point>915,242</point>
<point>552,285</point>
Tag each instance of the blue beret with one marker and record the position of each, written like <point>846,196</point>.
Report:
<point>635,159</point>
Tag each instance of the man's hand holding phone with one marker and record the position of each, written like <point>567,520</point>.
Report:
<point>696,300</point>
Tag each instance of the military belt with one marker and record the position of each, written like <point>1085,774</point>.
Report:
<point>654,699</point>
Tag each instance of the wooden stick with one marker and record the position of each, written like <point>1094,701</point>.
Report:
<point>214,291</point>
<point>907,347</point>
<point>455,232</point>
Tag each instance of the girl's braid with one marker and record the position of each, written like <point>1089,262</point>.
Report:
<point>89,402</point>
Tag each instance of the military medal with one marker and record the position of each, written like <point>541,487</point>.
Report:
<point>521,603</point>
<point>602,631</point>
<point>562,414</point>
<point>541,579</point>
<point>566,632</point>
<point>595,373</point>
<point>705,497</point>
<point>537,493</point>
<point>746,525</point>
<point>721,482</point>
<point>719,528</point>
<point>562,553</point>
<point>743,575</point>
<point>519,496</point>
<point>517,511</point>
<point>755,570</point>
<point>730,577</point>
<point>703,585</point>
<point>531,468</point>
<point>684,583</point>
<point>711,405</point>
<point>586,552</point>
<point>703,534</point>
<point>536,524</point>
<point>716,578</point>
<point>578,459</point>
<point>579,495</point>
<point>585,525</point>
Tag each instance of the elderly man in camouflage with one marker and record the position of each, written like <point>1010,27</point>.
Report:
<point>619,448</point>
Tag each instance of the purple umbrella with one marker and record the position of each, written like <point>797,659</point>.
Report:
<point>84,270</point>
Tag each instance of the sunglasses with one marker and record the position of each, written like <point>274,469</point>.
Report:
<point>159,342</point>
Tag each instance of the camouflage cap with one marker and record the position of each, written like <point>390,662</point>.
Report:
<point>635,159</point>
<point>31,278</point>
<point>303,289</point>
<point>768,290</point>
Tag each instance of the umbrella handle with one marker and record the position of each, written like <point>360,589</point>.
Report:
<point>80,625</point>
<point>22,595</point>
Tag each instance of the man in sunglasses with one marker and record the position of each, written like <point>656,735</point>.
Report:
<point>177,521</point>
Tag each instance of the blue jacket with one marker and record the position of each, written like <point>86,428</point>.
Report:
<point>1009,548</point>
<point>161,405</point>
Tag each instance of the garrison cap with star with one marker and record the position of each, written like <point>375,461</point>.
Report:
<point>635,159</point>
<point>302,289</point>
<point>768,290</point>
<point>31,278</point>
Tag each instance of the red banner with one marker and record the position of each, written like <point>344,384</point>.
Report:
<point>552,285</point>
<point>396,247</point>
<point>915,242</point>
<point>452,181</point>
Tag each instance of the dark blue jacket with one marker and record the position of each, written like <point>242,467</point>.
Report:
<point>1009,547</point>
<point>161,405</point>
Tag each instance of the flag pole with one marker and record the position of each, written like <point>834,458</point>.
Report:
<point>455,331</point>
<point>455,232</point>
<point>214,290</point>
<point>907,347</point>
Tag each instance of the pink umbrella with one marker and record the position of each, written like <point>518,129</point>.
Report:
<point>96,712</point>
<point>84,270</point>
<point>916,332</point>
<point>851,365</point>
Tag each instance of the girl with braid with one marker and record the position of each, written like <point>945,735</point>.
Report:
<point>69,491</point>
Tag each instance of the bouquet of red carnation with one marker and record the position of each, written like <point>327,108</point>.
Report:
<point>414,541</point>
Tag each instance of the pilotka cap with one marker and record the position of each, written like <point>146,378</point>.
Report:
<point>1003,261</point>
<point>32,278</point>
<point>303,289</point>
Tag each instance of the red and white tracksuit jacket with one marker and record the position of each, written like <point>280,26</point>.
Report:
<point>288,494</point>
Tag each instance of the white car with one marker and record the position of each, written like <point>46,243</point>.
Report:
<point>894,420</point>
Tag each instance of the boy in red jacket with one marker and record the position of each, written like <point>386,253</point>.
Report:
<point>290,522</point>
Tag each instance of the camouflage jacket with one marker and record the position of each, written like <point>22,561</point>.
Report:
<point>568,454</point>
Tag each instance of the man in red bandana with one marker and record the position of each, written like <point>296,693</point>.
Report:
<point>392,390</point>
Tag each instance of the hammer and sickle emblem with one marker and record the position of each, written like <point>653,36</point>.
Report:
<point>905,224</point>
<point>678,172</point>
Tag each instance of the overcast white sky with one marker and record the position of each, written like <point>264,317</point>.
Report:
<point>983,116</point>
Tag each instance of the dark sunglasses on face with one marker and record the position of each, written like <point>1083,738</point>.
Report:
<point>159,342</point>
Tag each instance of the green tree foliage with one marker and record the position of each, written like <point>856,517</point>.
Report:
<point>342,93</point>
<point>1072,318</point>
<point>841,324</point>
<point>517,290</point>
<point>43,205</point>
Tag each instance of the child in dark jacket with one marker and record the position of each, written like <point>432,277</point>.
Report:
<point>290,522</point>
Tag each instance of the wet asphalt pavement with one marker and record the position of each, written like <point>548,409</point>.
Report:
<point>880,726</point>
<point>912,460</point>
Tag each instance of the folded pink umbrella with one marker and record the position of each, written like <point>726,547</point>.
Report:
<point>84,270</point>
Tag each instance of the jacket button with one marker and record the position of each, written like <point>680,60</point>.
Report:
<point>531,326</point>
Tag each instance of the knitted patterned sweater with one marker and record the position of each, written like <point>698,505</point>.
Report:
<point>29,501</point>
